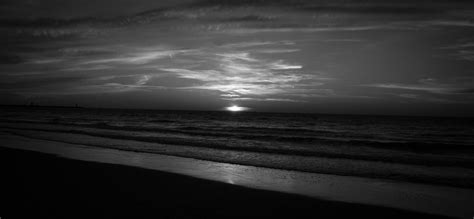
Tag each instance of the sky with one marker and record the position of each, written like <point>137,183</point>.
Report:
<point>309,56</point>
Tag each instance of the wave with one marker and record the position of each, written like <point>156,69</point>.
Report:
<point>298,135</point>
<point>347,151</point>
<point>453,176</point>
<point>295,135</point>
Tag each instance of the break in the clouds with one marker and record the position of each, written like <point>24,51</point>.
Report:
<point>285,55</point>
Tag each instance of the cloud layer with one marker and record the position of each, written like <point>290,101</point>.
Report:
<point>286,52</point>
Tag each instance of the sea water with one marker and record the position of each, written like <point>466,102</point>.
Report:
<point>419,149</point>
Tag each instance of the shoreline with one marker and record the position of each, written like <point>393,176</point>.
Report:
<point>449,201</point>
<point>55,187</point>
<point>432,169</point>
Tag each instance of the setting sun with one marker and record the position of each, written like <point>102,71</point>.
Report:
<point>236,108</point>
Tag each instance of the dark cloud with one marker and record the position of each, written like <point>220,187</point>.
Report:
<point>299,3</point>
<point>162,12</point>
<point>70,9</point>
<point>393,9</point>
<point>47,22</point>
<point>466,91</point>
<point>248,18</point>
<point>8,59</point>
<point>39,82</point>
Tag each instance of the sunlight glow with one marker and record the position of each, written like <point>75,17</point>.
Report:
<point>236,108</point>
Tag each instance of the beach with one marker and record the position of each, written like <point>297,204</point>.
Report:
<point>210,164</point>
<point>47,186</point>
<point>53,179</point>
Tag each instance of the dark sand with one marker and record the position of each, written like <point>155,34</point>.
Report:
<point>37,185</point>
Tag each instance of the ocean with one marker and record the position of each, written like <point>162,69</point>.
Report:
<point>412,149</point>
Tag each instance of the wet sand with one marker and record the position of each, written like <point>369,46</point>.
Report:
<point>38,185</point>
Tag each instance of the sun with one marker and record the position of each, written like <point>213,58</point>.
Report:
<point>235,108</point>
